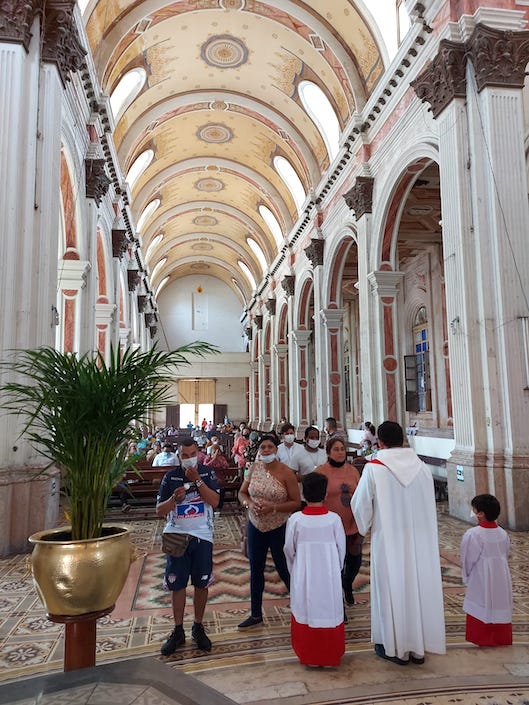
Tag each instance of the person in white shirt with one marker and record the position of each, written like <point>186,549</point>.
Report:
<point>311,455</point>
<point>288,450</point>
<point>166,457</point>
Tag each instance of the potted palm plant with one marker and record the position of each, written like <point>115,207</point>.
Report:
<point>78,412</point>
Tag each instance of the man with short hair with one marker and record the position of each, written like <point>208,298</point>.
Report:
<point>331,429</point>
<point>187,497</point>
<point>395,498</point>
<point>166,457</point>
<point>289,450</point>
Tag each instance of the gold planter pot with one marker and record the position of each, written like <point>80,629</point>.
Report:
<point>79,577</point>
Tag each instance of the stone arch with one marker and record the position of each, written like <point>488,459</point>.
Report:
<point>336,260</point>
<point>303,301</point>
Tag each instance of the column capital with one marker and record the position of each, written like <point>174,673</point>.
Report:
<point>73,273</point>
<point>289,284</point>
<point>271,306</point>
<point>301,337</point>
<point>249,333</point>
<point>499,57</point>
<point>314,252</point>
<point>16,19</point>
<point>444,78</point>
<point>258,320</point>
<point>385,283</point>
<point>360,197</point>
<point>61,43</point>
<point>133,278</point>
<point>280,349</point>
<point>104,314</point>
<point>119,242</point>
<point>142,302</point>
<point>97,181</point>
<point>332,317</point>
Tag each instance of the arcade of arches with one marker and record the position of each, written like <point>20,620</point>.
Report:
<point>332,192</point>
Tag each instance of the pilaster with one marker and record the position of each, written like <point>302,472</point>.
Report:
<point>300,401</point>
<point>332,364</point>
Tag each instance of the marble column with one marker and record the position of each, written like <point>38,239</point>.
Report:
<point>300,401</point>
<point>280,397</point>
<point>485,221</point>
<point>332,364</point>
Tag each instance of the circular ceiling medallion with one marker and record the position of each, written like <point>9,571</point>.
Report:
<point>218,105</point>
<point>199,265</point>
<point>215,133</point>
<point>224,52</point>
<point>205,220</point>
<point>202,246</point>
<point>232,4</point>
<point>210,185</point>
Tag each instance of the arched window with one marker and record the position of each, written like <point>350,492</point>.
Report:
<point>247,274</point>
<point>417,366</point>
<point>126,91</point>
<point>147,212</point>
<point>158,267</point>
<point>161,286</point>
<point>273,224</point>
<point>156,241</point>
<point>287,172</point>
<point>258,253</point>
<point>139,165</point>
<point>322,114</point>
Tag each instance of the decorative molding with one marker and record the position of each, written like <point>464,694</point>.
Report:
<point>271,306</point>
<point>249,333</point>
<point>97,181</point>
<point>150,319</point>
<point>16,19</point>
<point>133,279</point>
<point>444,78</point>
<point>61,43</point>
<point>314,252</point>
<point>143,300</point>
<point>360,198</point>
<point>289,284</point>
<point>153,330</point>
<point>119,242</point>
<point>258,322</point>
<point>499,57</point>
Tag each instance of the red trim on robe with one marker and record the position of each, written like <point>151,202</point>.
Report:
<point>322,646</point>
<point>376,461</point>
<point>315,510</point>
<point>483,634</point>
<point>488,524</point>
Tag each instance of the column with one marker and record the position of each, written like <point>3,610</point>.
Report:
<point>314,253</point>
<point>300,401</point>
<point>332,364</point>
<point>385,363</point>
<point>280,394</point>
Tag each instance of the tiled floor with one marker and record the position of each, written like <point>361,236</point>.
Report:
<point>259,666</point>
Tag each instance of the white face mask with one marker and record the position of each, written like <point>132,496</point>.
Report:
<point>313,442</point>
<point>473,517</point>
<point>268,458</point>
<point>189,462</point>
<point>289,438</point>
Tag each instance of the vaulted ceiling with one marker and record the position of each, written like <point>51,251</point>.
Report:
<point>219,102</point>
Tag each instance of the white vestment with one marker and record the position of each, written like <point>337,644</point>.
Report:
<point>315,552</point>
<point>397,502</point>
<point>486,574</point>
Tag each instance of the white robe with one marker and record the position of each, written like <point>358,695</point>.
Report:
<point>486,574</point>
<point>315,552</point>
<point>397,503</point>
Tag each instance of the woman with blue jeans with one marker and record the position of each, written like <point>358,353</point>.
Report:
<point>270,492</point>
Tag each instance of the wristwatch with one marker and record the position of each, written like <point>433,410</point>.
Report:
<point>199,483</point>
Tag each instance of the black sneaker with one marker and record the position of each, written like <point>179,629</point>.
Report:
<point>176,638</point>
<point>200,637</point>
<point>250,622</point>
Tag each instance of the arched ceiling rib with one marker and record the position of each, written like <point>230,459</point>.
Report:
<point>219,104</point>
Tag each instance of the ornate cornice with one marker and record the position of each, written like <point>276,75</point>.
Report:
<point>258,322</point>
<point>133,278</point>
<point>16,18</point>
<point>119,242</point>
<point>289,284</point>
<point>360,198</point>
<point>314,252</point>
<point>499,57</point>
<point>60,39</point>
<point>444,78</point>
<point>271,306</point>
<point>97,181</point>
<point>142,302</point>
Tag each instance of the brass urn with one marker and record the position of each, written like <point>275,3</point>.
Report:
<point>80,577</point>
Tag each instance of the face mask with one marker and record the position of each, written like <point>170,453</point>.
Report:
<point>289,438</point>
<point>336,463</point>
<point>473,517</point>
<point>189,462</point>
<point>268,458</point>
<point>313,442</point>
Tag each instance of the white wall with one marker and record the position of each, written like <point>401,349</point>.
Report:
<point>222,307</point>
